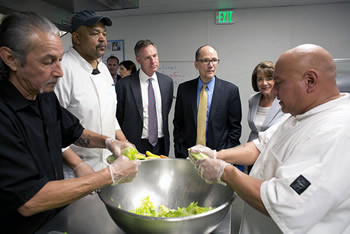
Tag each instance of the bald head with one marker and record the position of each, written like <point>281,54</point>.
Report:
<point>309,73</point>
<point>309,56</point>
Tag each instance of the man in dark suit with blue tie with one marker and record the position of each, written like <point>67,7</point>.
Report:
<point>220,108</point>
<point>144,101</point>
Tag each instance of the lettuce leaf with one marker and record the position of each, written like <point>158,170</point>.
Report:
<point>147,208</point>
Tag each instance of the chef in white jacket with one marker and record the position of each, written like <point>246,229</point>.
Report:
<point>299,182</point>
<point>87,88</point>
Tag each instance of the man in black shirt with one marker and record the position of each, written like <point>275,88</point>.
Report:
<point>34,128</point>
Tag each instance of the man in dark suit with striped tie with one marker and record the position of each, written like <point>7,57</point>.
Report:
<point>144,102</point>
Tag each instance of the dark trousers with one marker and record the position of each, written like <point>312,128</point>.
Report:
<point>158,149</point>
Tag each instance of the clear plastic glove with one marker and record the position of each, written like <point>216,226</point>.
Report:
<point>83,169</point>
<point>203,149</point>
<point>116,146</point>
<point>211,170</point>
<point>123,170</point>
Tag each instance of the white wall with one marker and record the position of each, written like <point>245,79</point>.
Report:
<point>258,34</point>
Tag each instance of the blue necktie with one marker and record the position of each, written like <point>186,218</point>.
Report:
<point>152,116</point>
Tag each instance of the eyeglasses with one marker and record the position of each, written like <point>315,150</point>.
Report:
<point>207,61</point>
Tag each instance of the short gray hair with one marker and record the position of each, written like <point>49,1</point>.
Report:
<point>16,29</point>
<point>142,44</point>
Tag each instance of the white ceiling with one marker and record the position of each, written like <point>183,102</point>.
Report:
<point>61,11</point>
<point>147,7</point>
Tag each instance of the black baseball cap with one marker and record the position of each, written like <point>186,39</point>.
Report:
<point>88,18</point>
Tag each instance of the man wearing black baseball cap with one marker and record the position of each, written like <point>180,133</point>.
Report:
<point>87,88</point>
<point>88,18</point>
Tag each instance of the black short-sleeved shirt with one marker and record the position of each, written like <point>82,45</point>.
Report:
<point>32,134</point>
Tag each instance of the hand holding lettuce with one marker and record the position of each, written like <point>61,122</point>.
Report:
<point>200,152</point>
<point>132,154</point>
<point>123,170</point>
<point>116,146</point>
<point>200,149</point>
<point>206,164</point>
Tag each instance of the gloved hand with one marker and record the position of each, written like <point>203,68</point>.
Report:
<point>211,170</point>
<point>116,146</point>
<point>200,149</point>
<point>123,170</point>
<point>83,169</point>
<point>203,149</point>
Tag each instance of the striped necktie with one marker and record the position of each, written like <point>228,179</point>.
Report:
<point>152,115</point>
<point>202,116</point>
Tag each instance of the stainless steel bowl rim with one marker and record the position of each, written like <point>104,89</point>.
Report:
<point>173,218</point>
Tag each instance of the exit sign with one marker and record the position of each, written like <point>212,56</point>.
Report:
<point>224,17</point>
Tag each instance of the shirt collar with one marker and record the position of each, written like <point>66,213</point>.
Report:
<point>12,96</point>
<point>144,77</point>
<point>325,106</point>
<point>210,84</point>
<point>84,64</point>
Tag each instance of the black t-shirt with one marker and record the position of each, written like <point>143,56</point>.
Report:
<point>32,135</point>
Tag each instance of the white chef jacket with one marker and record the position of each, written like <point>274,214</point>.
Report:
<point>92,99</point>
<point>305,167</point>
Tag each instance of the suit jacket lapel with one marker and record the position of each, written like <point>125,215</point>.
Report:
<point>163,91</point>
<point>136,90</point>
<point>193,98</point>
<point>216,98</point>
<point>272,113</point>
<point>255,104</point>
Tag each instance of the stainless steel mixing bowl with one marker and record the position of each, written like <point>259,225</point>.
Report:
<point>173,183</point>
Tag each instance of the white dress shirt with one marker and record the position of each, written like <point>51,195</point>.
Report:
<point>144,92</point>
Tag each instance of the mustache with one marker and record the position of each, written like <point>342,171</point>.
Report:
<point>52,81</point>
<point>49,82</point>
<point>101,45</point>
